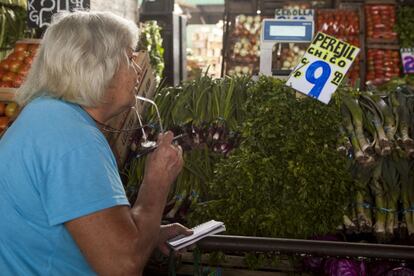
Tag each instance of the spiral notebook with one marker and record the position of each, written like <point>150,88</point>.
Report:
<point>200,231</point>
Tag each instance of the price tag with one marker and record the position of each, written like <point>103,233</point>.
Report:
<point>407,57</point>
<point>323,67</point>
<point>294,14</point>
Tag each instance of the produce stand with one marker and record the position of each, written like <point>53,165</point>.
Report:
<point>376,33</point>
<point>173,32</point>
<point>235,247</point>
<point>307,247</point>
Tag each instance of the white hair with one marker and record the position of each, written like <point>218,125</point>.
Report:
<point>78,57</point>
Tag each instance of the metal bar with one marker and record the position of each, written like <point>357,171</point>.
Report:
<point>309,247</point>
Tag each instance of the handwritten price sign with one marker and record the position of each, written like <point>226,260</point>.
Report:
<point>323,67</point>
<point>407,56</point>
<point>40,11</point>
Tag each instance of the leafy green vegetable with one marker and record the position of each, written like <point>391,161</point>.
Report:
<point>151,41</point>
<point>405,25</point>
<point>286,179</point>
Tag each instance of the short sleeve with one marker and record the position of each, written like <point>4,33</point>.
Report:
<point>82,181</point>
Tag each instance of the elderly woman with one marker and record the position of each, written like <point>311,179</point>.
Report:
<point>63,209</point>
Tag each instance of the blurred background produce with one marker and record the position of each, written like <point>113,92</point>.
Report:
<point>14,68</point>
<point>380,21</point>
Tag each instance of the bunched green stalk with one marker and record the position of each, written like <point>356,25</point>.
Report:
<point>378,191</point>
<point>362,174</point>
<point>346,119</point>
<point>357,121</point>
<point>390,177</point>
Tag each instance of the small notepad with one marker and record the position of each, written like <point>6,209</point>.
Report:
<point>200,231</point>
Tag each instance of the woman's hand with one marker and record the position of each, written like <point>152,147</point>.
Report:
<point>165,163</point>
<point>168,232</point>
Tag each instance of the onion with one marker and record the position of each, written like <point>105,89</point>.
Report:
<point>286,64</point>
<point>245,70</point>
<point>243,52</point>
<point>295,49</point>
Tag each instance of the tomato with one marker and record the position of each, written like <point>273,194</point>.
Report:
<point>20,47</point>
<point>18,81</point>
<point>14,65</point>
<point>33,47</point>
<point>21,55</point>
<point>4,121</point>
<point>9,76</point>
<point>24,69</point>
<point>11,109</point>
<point>12,56</point>
<point>28,60</point>
<point>5,64</point>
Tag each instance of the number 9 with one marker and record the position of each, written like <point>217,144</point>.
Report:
<point>319,82</point>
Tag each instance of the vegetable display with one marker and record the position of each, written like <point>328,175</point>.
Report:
<point>15,67</point>
<point>17,3</point>
<point>344,25</point>
<point>271,162</point>
<point>378,131</point>
<point>285,179</point>
<point>380,21</point>
<point>208,111</point>
<point>244,44</point>
<point>8,111</point>
<point>382,66</point>
<point>405,25</point>
<point>291,55</point>
<point>12,25</point>
<point>151,41</point>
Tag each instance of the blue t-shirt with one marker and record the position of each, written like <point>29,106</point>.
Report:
<point>55,166</point>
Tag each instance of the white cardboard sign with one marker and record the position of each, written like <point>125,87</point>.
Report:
<point>323,67</point>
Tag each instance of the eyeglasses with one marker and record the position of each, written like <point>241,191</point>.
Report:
<point>147,143</point>
<point>138,69</point>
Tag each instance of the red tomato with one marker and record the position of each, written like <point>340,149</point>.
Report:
<point>33,47</point>
<point>24,69</point>
<point>20,47</point>
<point>14,65</point>
<point>4,121</point>
<point>20,55</point>
<point>9,76</point>
<point>5,64</point>
<point>18,81</point>
<point>28,60</point>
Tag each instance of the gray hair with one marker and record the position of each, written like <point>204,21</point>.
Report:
<point>78,57</point>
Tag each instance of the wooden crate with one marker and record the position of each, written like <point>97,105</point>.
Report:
<point>7,94</point>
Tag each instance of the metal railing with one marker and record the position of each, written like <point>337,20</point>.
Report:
<point>307,247</point>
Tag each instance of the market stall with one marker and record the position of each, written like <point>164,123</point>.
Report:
<point>302,185</point>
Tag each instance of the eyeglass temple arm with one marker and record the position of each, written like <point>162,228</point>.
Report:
<point>156,109</point>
